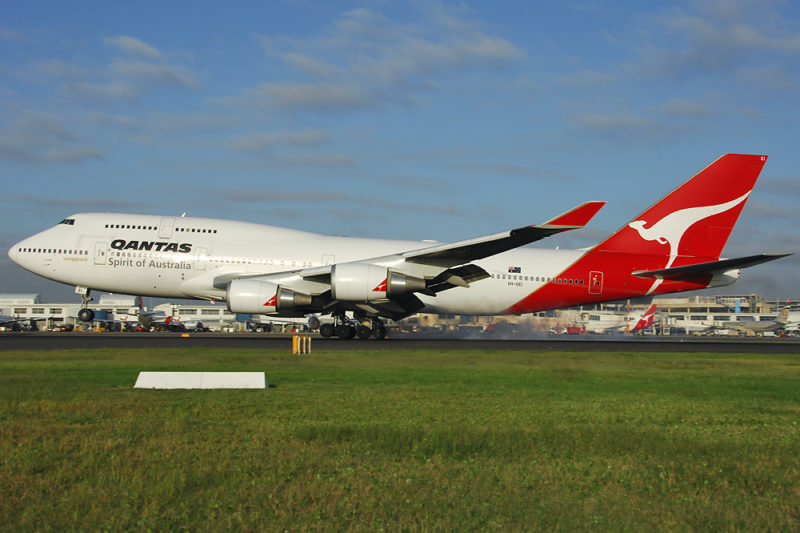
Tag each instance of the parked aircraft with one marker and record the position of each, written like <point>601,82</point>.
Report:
<point>158,320</point>
<point>606,322</point>
<point>15,323</point>
<point>268,323</point>
<point>692,326</point>
<point>759,326</point>
<point>11,323</point>
<point>645,321</point>
<point>673,246</point>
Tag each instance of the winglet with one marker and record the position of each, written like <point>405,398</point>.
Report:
<point>574,218</point>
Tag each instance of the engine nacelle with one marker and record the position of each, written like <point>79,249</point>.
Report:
<point>722,279</point>
<point>365,282</point>
<point>254,296</point>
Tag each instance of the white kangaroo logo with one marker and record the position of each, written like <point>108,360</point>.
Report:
<point>671,228</point>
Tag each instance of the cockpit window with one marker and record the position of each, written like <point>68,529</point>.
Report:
<point>69,221</point>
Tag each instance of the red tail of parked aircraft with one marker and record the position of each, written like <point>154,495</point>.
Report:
<point>646,320</point>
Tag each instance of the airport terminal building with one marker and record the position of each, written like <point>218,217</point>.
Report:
<point>675,315</point>
<point>113,312</point>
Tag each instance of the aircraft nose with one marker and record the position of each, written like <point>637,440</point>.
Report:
<point>14,251</point>
<point>16,254</point>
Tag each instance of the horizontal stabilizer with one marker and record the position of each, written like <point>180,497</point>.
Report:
<point>709,268</point>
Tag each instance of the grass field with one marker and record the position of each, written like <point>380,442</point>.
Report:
<point>402,441</point>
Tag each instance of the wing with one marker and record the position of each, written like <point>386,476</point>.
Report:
<point>461,252</point>
<point>449,254</point>
<point>386,285</point>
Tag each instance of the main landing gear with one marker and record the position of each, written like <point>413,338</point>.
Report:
<point>348,328</point>
<point>85,314</point>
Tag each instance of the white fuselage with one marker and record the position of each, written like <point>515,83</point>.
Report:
<point>180,257</point>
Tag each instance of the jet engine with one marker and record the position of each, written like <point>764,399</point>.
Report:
<point>365,282</point>
<point>254,296</point>
<point>722,279</point>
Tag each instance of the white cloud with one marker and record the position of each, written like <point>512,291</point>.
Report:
<point>37,137</point>
<point>133,46</point>
<point>11,35</point>
<point>70,153</point>
<point>335,198</point>
<point>715,37</point>
<point>197,121</point>
<point>58,68</point>
<point>112,91</point>
<point>585,79</point>
<point>122,122</point>
<point>781,186</point>
<point>296,96</point>
<point>257,142</point>
<point>321,160</point>
<point>38,150</point>
<point>365,60</point>
<point>165,74</point>
<point>487,170</point>
<point>105,204</point>
<point>615,125</point>
<point>678,107</point>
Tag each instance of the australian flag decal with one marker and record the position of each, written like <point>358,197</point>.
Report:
<point>514,270</point>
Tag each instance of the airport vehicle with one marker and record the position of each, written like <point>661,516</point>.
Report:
<point>673,246</point>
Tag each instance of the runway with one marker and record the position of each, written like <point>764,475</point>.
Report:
<point>34,341</point>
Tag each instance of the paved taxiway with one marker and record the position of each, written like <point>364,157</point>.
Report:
<point>75,341</point>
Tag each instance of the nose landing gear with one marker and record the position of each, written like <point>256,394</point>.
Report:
<point>85,314</point>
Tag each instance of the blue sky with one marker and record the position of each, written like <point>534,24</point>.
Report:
<point>418,120</point>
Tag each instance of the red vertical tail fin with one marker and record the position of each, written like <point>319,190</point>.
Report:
<point>646,320</point>
<point>694,221</point>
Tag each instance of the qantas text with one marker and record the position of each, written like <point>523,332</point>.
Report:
<point>122,244</point>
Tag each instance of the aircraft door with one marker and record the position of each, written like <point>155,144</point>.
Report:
<point>595,282</point>
<point>200,259</point>
<point>328,259</point>
<point>100,253</point>
<point>165,228</point>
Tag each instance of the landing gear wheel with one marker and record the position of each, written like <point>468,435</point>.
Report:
<point>85,315</point>
<point>363,332</point>
<point>326,330</point>
<point>378,330</point>
<point>345,331</point>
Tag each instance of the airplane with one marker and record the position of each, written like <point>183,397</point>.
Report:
<point>158,320</point>
<point>617,323</point>
<point>262,323</point>
<point>692,327</point>
<point>11,323</point>
<point>15,323</point>
<point>645,321</point>
<point>759,326</point>
<point>673,246</point>
<point>174,324</point>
